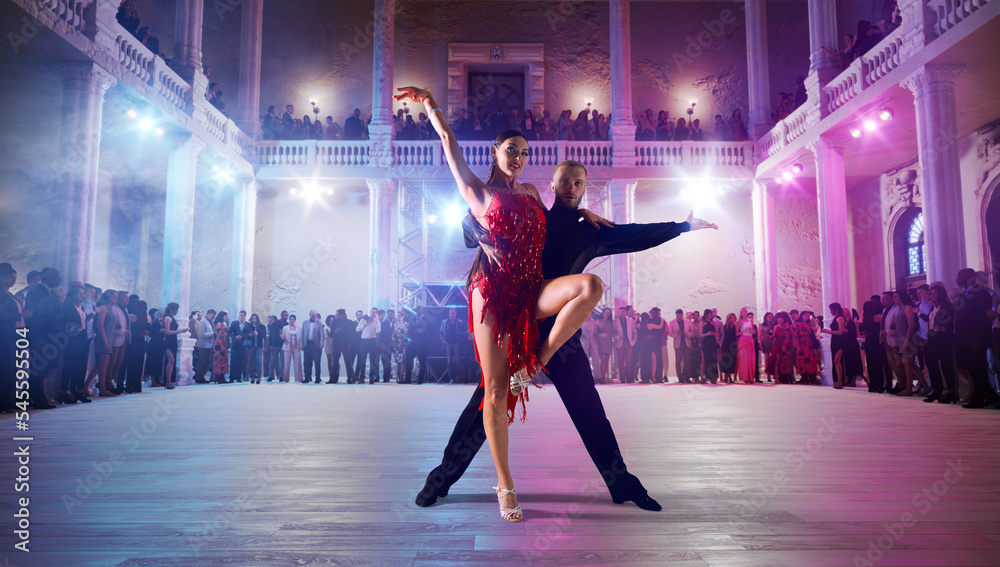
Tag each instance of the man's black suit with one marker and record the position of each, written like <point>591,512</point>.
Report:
<point>570,245</point>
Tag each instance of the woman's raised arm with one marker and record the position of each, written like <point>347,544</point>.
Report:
<point>473,190</point>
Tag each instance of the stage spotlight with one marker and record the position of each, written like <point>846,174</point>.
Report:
<point>796,168</point>
<point>293,191</point>
<point>870,125</point>
<point>786,175</point>
<point>159,131</point>
<point>131,113</point>
<point>432,218</point>
<point>454,214</point>
<point>146,123</point>
<point>855,132</point>
<point>885,114</point>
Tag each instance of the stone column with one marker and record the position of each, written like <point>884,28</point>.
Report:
<point>79,157</point>
<point>933,89</point>
<point>831,199</point>
<point>622,128</point>
<point>757,69</point>
<point>380,129</point>
<point>382,194</point>
<point>244,233</point>
<point>178,234</point>
<point>250,41</point>
<point>823,67</point>
<point>622,265</point>
<point>765,247</point>
<point>187,38</point>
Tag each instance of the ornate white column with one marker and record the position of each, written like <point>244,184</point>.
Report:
<point>757,70</point>
<point>380,129</point>
<point>244,233</point>
<point>80,151</point>
<point>937,140</point>
<point>622,265</point>
<point>765,247</point>
<point>622,127</point>
<point>831,200</point>
<point>250,41</point>
<point>823,67</point>
<point>178,235</point>
<point>382,194</point>
<point>187,39</point>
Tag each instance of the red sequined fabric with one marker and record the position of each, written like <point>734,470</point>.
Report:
<point>510,291</point>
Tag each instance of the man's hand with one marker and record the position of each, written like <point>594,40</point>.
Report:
<point>698,224</point>
<point>594,219</point>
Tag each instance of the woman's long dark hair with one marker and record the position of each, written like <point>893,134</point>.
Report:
<point>481,262</point>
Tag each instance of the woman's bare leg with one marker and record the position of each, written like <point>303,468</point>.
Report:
<point>571,299</point>
<point>496,376</point>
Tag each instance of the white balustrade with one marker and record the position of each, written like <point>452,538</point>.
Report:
<point>70,11</point>
<point>950,13</point>
<point>135,57</point>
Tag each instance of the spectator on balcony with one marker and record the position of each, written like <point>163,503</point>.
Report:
<point>737,129</point>
<point>721,133</point>
<point>682,133</point>
<point>128,16</point>
<point>664,127</point>
<point>288,123</point>
<point>530,126</point>
<point>867,38</point>
<point>846,55</point>
<point>333,130</point>
<point>354,127</point>
<point>800,92</point>
<point>784,107</point>
<point>269,125</point>
<point>697,135</point>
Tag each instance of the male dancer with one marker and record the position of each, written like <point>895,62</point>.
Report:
<point>569,246</point>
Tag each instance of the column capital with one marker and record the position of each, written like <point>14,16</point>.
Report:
<point>930,75</point>
<point>89,73</point>
<point>823,146</point>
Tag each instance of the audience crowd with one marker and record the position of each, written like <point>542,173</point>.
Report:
<point>932,341</point>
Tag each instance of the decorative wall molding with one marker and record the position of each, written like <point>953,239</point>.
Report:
<point>463,57</point>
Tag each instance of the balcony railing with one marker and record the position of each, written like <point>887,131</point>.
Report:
<point>312,153</point>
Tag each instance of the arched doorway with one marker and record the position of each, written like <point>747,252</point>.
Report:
<point>910,251</point>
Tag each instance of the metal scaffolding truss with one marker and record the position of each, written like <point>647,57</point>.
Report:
<point>597,200</point>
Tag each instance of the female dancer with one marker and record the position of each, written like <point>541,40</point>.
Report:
<point>507,300</point>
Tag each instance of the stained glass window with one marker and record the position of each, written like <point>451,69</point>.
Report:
<point>916,249</point>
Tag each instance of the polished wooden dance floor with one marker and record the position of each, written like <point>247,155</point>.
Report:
<point>292,474</point>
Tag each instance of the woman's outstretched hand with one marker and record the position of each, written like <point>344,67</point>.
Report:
<point>594,219</point>
<point>412,93</point>
<point>698,224</point>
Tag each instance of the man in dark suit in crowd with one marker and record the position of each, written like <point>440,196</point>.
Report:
<point>418,347</point>
<point>973,335</point>
<point>569,246</point>
<point>343,340</point>
<point>44,334</point>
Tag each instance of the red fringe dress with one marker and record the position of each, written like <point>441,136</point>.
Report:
<point>517,228</point>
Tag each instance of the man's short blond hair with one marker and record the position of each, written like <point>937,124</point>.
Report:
<point>571,163</point>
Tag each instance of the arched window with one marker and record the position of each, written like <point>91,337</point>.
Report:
<point>910,251</point>
<point>916,250</point>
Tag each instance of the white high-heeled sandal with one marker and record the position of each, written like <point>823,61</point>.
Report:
<point>519,381</point>
<point>510,514</point>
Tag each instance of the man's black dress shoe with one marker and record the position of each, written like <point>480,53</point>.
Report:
<point>428,496</point>
<point>643,501</point>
